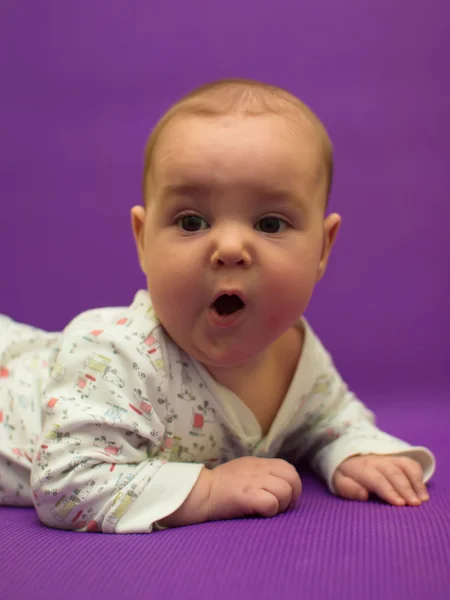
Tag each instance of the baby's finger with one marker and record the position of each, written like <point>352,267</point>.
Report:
<point>348,488</point>
<point>399,482</point>
<point>281,489</point>
<point>375,481</point>
<point>414,473</point>
<point>286,471</point>
<point>263,503</point>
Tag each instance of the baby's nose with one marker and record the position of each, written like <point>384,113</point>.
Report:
<point>230,254</point>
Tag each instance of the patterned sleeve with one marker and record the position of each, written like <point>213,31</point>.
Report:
<point>337,425</point>
<point>99,466</point>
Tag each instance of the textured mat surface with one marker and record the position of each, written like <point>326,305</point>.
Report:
<point>327,548</point>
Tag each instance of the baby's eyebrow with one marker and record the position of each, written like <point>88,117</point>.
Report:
<point>261,193</point>
<point>277,195</point>
<point>183,190</point>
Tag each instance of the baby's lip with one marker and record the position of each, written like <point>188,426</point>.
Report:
<point>230,292</point>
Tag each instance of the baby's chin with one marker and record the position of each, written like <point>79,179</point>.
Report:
<point>222,358</point>
<point>235,349</point>
<point>226,354</point>
<point>224,362</point>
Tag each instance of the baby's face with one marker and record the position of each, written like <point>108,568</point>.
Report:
<point>236,206</point>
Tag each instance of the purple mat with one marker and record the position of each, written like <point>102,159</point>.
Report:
<point>326,549</point>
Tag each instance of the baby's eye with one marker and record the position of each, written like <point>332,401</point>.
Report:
<point>191,223</point>
<point>271,225</point>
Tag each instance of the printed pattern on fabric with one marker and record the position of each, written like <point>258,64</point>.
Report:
<point>102,413</point>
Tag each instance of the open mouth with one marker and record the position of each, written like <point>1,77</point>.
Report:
<point>228,304</point>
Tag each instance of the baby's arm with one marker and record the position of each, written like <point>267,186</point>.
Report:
<point>97,467</point>
<point>339,426</point>
<point>345,428</point>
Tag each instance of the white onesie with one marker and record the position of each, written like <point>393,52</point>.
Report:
<point>115,422</point>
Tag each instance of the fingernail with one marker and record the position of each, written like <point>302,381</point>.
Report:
<point>424,496</point>
<point>399,500</point>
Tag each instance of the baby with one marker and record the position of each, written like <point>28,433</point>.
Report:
<point>194,403</point>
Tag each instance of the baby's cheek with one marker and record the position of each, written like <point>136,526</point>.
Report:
<point>274,322</point>
<point>163,281</point>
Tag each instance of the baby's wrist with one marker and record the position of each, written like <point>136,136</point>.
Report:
<point>195,509</point>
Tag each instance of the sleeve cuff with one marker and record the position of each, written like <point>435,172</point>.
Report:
<point>163,495</point>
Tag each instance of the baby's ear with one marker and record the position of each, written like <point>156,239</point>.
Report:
<point>331,226</point>
<point>137,225</point>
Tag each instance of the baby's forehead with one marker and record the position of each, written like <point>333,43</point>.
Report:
<point>301,122</point>
<point>243,98</point>
<point>269,143</point>
<point>185,132</point>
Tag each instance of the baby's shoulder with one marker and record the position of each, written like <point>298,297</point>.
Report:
<point>120,319</point>
<point>132,334</point>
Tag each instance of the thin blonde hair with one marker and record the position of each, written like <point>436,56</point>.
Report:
<point>244,96</point>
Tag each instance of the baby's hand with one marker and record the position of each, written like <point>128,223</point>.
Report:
<point>250,485</point>
<point>241,487</point>
<point>395,479</point>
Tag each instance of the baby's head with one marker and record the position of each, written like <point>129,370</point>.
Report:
<point>243,97</point>
<point>236,182</point>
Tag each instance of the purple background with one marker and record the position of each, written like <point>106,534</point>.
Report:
<point>82,84</point>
